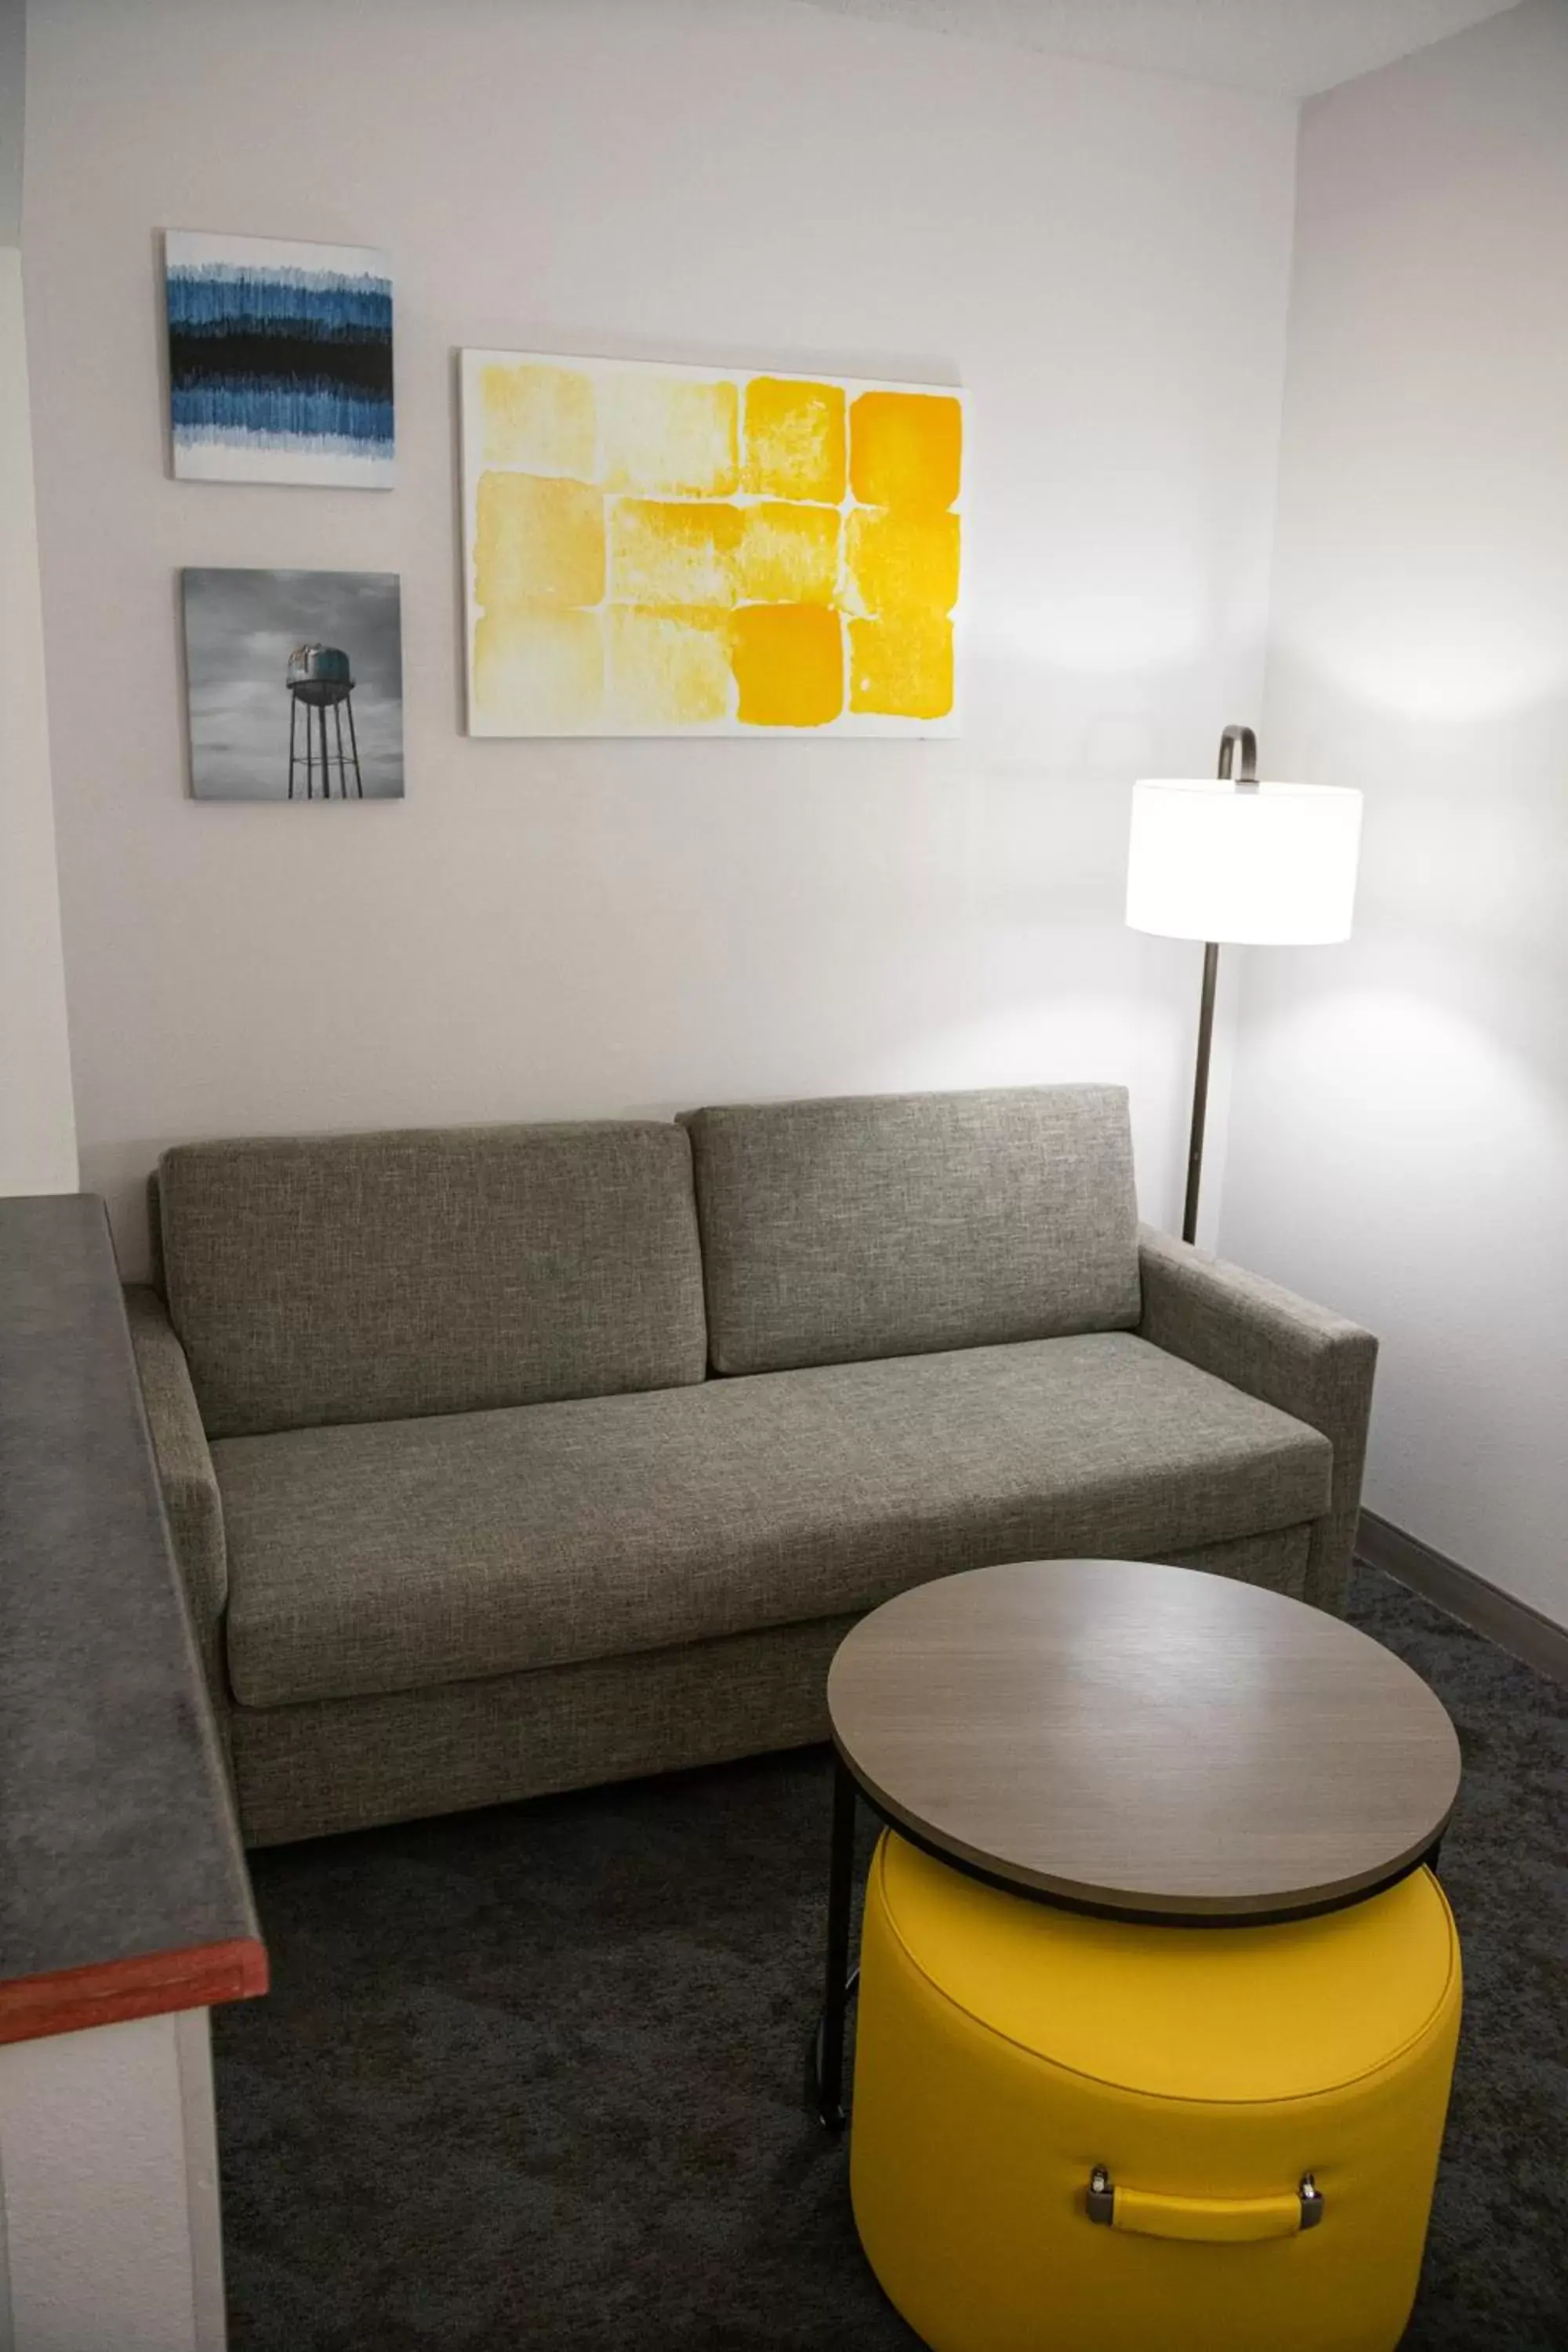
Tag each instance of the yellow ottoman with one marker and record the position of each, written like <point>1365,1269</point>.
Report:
<point>1071,2133</point>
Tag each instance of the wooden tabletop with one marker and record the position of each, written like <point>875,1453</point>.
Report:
<point>1144,1738</point>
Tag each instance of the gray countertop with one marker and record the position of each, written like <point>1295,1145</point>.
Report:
<point>122,1883</point>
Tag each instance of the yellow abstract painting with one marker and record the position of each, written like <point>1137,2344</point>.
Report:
<point>655,550</point>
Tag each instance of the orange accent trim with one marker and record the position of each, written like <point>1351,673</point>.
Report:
<point>149,1984</point>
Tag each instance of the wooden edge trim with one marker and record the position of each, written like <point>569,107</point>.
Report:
<point>1273,1908</point>
<point>149,1984</point>
<point>1513,1625</point>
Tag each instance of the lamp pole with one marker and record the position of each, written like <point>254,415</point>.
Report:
<point>1234,740</point>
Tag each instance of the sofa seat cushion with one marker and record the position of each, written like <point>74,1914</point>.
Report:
<point>395,1556</point>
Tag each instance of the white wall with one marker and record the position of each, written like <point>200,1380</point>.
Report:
<point>560,929</point>
<point>13,98</point>
<point>1399,1139</point>
<point>37,1136</point>
<point>110,2234</point>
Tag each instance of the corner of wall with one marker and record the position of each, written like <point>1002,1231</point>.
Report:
<point>37,1119</point>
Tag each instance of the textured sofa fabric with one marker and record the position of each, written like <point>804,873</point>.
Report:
<point>885,1225</point>
<point>1266,1340</point>
<point>462,1517</point>
<point>321,1280</point>
<point>185,1474</point>
<point>385,1558</point>
<point>349,1764</point>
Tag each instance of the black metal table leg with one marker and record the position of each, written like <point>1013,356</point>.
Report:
<point>827,2046</point>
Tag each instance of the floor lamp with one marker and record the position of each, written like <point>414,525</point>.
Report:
<point>1228,860</point>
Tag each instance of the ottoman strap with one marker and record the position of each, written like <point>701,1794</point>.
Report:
<point>1215,2221</point>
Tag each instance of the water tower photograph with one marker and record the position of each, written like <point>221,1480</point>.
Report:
<point>295,684</point>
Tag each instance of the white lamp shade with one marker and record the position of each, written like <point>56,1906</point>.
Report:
<point>1270,865</point>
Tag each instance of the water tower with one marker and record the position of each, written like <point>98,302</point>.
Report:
<point>319,680</point>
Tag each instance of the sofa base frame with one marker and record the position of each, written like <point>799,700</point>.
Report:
<point>334,1765</point>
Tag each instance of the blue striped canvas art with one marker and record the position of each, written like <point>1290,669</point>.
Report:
<point>279,361</point>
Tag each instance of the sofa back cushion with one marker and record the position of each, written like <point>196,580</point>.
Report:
<point>374,1277</point>
<point>895,1224</point>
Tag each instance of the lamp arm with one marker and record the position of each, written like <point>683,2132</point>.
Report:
<point>1200,1093</point>
<point>1242,740</point>
<point>1234,740</point>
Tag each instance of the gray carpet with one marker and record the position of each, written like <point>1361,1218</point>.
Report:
<point>533,2076</point>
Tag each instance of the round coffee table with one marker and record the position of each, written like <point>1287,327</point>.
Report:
<point>1152,1744</point>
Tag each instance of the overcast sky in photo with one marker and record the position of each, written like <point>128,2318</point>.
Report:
<point>240,629</point>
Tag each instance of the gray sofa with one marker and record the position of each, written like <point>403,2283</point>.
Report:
<point>502,1460</point>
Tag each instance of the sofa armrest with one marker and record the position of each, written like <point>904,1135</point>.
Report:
<point>1314,1365</point>
<point>185,1472</point>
